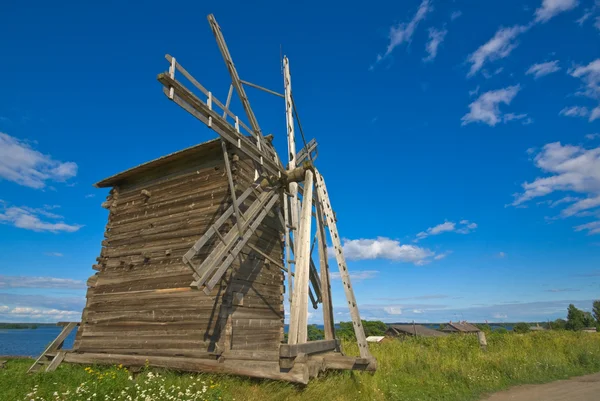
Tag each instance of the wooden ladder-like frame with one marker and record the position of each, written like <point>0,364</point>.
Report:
<point>53,355</point>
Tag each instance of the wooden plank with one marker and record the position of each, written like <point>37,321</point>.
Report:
<point>299,310</point>
<point>342,362</point>
<point>266,370</point>
<point>325,204</point>
<point>60,355</point>
<point>311,347</point>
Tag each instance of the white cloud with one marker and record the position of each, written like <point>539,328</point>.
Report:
<point>514,117</point>
<point>474,91</point>
<point>403,32</point>
<point>551,8</point>
<point>385,248</point>
<point>440,228</point>
<point>31,219</point>
<point>571,169</point>
<point>574,111</point>
<point>436,37</point>
<point>595,113</point>
<point>357,275</point>
<point>486,108</point>
<point>586,15</point>
<point>393,310</point>
<point>4,308</point>
<point>57,254</point>
<point>441,256</point>
<point>455,15</point>
<point>591,227</point>
<point>499,316</point>
<point>463,227</point>
<point>42,314</point>
<point>498,47</point>
<point>591,137</point>
<point>40,282</point>
<point>597,23</point>
<point>501,255</point>
<point>590,76</point>
<point>90,196</point>
<point>20,163</point>
<point>542,69</point>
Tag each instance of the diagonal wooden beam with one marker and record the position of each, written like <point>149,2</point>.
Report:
<point>235,78</point>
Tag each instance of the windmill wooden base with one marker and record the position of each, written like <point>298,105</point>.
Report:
<point>263,365</point>
<point>200,243</point>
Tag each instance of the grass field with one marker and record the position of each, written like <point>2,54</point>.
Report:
<point>447,368</point>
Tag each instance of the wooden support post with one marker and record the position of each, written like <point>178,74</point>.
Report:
<point>482,340</point>
<point>299,311</point>
<point>323,199</point>
<point>288,255</point>
<point>291,140</point>
<point>328,323</point>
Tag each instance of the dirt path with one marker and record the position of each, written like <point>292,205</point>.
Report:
<point>583,388</point>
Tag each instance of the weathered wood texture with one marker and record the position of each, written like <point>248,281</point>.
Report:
<point>139,302</point>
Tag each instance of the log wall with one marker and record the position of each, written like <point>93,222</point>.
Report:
<point>140,301</point>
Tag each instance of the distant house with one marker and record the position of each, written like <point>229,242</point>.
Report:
<point>403,330</point>
<point>537,327</point>
<point>375,339</point>
<point>589,330</point>
<point>460,327</point>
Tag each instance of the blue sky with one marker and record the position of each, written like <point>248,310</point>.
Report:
<point>460,141</point>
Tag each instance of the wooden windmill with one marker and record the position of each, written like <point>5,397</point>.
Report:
<point>191,274</point>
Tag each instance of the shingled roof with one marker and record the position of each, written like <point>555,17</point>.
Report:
<point>461,327</point>
<point>413,330</point>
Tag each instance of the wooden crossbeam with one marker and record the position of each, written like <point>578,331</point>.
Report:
<point>311,347</point>
<point>328,214</point>
<point>305,151</point>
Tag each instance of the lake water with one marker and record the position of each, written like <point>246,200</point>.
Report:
<point>30,342</point>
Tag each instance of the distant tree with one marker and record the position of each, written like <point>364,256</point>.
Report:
<point>484,327</point>
<point>558,324</point>
<point>314,333</point>
<point>521,328</point>
<point>596,311</point>
<point>578,319</point>
<point>374,327</point>
<point>442,326</point>
<point>345,330</point>
<point>501,330</point>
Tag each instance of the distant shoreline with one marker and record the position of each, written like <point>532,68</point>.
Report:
<point>24,326</point>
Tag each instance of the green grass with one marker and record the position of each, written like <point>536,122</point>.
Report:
<point>447,368</point>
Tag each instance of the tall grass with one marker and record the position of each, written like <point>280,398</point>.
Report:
<point>446,368</point>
